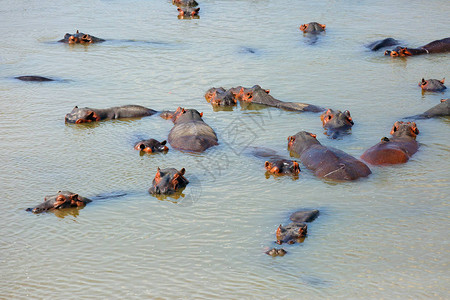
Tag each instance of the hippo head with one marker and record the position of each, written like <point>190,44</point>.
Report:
<point>184,2</point>
<point>213,91</point>
<point>63,199</point>
<point>282,166</point>
<point>246,94</point>
<point>336,119</point>
<point>82,115</point>
<point>292,233</point>
<point>312,27</point>
<point>402,129</point>
<point>151,146</point>
<point>223,99</point>
<point>432,84</point>
<point>301,141</point>
<point>394,52</point>
<point>168,181</point>
<point>185,115</point>
<point>188,12</point>
<point>276,252</point>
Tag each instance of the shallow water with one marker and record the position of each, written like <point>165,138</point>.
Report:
<point>385,236</point>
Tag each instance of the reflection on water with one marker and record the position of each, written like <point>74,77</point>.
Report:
<point>381,237</point>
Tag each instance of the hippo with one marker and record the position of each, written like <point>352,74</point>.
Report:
<point>188,12</point>
<point>397,149</point>
<point>191,3</point>
<point>258,95</point>
<point>190,132</point>
<point>313,28</point>
<point>221,97</point>
<point>377,45</point>
<point>276,252</point>
<point>87,115</point>
<point>336,122</point>
<point>151,146</point>
<point>432,85</point>
<point>292,233</point>
<point>326,162</point>
<point>304,216</point>
<point>437,46</point>
<point>168,181</point>
<point>80,38</point>
<point>33,78</point>
<point>440,110</point>
<point>282,167</point>
<point>63,199</point>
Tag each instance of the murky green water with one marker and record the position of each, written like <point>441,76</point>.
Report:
<point>381,237</point>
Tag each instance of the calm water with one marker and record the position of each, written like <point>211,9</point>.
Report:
<point>381,237</point>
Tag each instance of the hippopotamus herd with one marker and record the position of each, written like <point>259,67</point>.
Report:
<point>190,133</point>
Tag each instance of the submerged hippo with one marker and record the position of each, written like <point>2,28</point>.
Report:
<point>440,110</point>
<point>190,132</point>
<point>313,28</point>
<point>276,252</point>
<point>377,45</point>
<point>336,122</point>
<point>221,97</point>
<point>438,46</point>
<point>168,181</point>
<point>80,38</point>
<point>304,216</point>
<point>33,78</point>
<point>87,115</point>
<point>282,167</point>
<point>397,149</point>
<point>151,146</point>
<point>63,199</point>
<point>186,12</point>
<point>297,230</point>
<point>258,95</point>
<point>326,162</point>
<point>191,3</point>
<point>432,85</point>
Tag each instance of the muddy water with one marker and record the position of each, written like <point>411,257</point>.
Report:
<point>381,237</point>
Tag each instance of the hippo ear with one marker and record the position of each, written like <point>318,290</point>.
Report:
<point>75,106</point>
<point>267,91</point>
<point>323,26</point>
<point>163,142</point>
<point>78,31</point>
<point>183,111</point>
<point>423,81</point>
<point>303,27</point>
<point>414,128</point>
<point>443,100</point>
<point>142,146</point>
<point>313,135</point>
<point>182,171</point>
<point>195,11</point>
<point>179,9</point>
<point>201,114</point>
<point>443,80</point>
<point>267,164</point>
<point>347,113</point>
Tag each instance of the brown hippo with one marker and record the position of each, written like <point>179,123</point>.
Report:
<point>377,45</point>
<point>191,3</point>
<point>432,85</point>
<point>282,167</point>
<point>292,233</point>
<point>190,132</point>
<point>438,46</point>
<point>397,149</point>
<point>336,122</point>
<point>440,110</point>
<point>186,12</point>
<point>168,181</point>
<point>304,216</point>
<point>80,38</point>
<point>258,95</point>
<point>33,78</point>
<point>312,27</point>
<point>63,199</point>
<point>276,252</point>
<point>87,115</point>
<point>221,97</point>
<point>326,162</point>
<point>151,146</point>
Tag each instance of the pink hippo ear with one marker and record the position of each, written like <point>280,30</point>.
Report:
<point>414,128</point>
<point>443,100</point>
<point>323,26</point>
<point>158,175</point>
<point>303,27</point>
<point>395,127</point>
<point>291,138</point>
<point>423,82</point>
<point>180,11</point>
<point>201,114</point>
<point>195,11</point>
<point>78,31</point>
<point>442,81</point>
<point>267,91</point>
<point>182,171</point>
<point>313,135</point>
<point>267,165</point>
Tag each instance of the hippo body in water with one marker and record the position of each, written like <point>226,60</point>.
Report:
<point>80,38</point>
<point>440,110</point>
<point>33,78</point>
<point>395,150</point>
<point>432,85</point>
<point>63,199</point>
<point>336,122</point>
<point>87,115</point>
<point>168,181</point>
<point>326,162</point>
<point>186,12</point>
<point>190,132</point>
<point>437,46</point>
<point>377,45</point>
<point>191,3</point>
